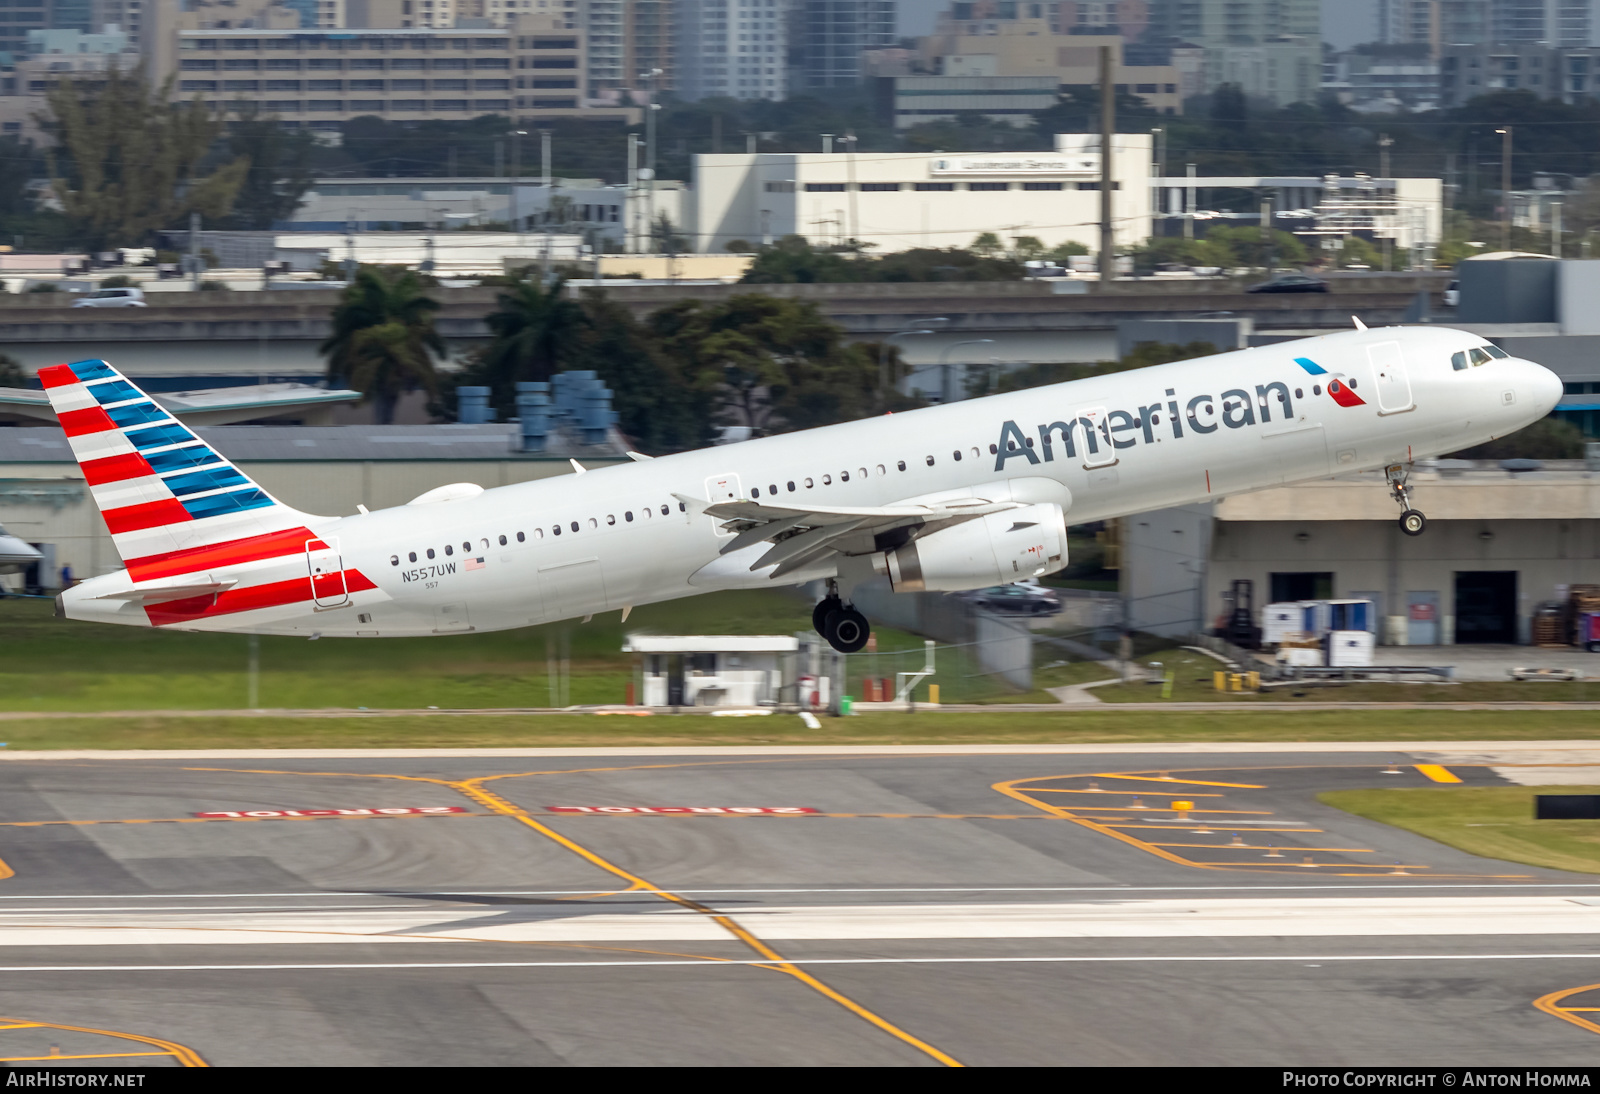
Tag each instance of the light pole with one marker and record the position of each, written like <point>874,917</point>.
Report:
<point>1384,141</point>
<point>516,169</point>
<point>650,156</point>
<point>944,365</point>
<point>1505,188</point>
<point>883,351</point>
<point>850,163</point>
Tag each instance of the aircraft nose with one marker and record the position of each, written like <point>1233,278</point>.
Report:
<point>1544,387</point>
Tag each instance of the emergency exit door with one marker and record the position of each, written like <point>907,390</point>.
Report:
<point>328,588</point>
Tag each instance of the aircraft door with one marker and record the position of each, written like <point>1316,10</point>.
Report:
<point>326,566</point>
<point>1389,374</point>
<point>1092,437</point>
<point>722,488</point>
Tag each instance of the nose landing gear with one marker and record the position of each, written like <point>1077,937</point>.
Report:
<point>1412,522</point>
<point>845,629</point>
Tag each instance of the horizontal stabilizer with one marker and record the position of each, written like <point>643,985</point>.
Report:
<point>158,592</point>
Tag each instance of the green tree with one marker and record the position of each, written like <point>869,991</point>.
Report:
<point>1024,248</point>
<point>768,363</point>
<point>128,160</point>
<point>279,173</point>
<point>11,374</point>
<point>986,245</point>
<point>387,361</point>
<point>656,407</point>
<point>365,347</point>
<point>792,260</point>
<point>532,327</point>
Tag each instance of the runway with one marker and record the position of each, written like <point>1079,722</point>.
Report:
<point>901,907</point>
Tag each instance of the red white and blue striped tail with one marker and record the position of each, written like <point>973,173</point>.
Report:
<point>172,503</point>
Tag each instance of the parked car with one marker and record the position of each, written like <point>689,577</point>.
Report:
<point>1019,599</point>
<point>1291,283</point>
<point>112,298</point>
<point>1452,294</point>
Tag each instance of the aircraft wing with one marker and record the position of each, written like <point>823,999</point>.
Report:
<point>804,535</point>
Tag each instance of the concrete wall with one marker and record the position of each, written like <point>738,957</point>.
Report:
<point>1164,558</point>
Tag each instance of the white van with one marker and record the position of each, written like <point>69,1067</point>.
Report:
<point>112,298</point>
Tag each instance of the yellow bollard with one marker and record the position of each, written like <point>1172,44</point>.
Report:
<point>933,695</point>
<point>1181,809</point>
<point>1253,681</point>
<point>1219,680</point>
<point>1237,681</point>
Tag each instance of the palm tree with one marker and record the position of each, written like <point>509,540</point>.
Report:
<point>386,362</point>
<point>535,328</point>
<point>392,302</point>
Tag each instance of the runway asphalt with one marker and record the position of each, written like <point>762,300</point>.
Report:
<point>904,907</point>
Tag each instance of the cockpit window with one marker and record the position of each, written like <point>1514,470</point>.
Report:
<point>1458,361</point>
<point>1479,355</point>
<point>1495,351</point>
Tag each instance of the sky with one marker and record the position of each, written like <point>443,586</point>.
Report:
<point>1344,22</point>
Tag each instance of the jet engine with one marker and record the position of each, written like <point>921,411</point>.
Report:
<point>975,554</point>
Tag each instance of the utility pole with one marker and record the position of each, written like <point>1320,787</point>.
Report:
<point>194,251</point>
<point>850,163</point>
<point>633,193</point>
<point>1384,141</point>
<point>1189,205</point>
<point>544,158</point>
<point>654,76</point>
<point>1555,228</point>
<point>1108,128</point>
<point>516,175</point>
<point>1505,188</point>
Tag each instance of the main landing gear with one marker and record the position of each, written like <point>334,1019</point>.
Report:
<point>1412,522</point>
<point>845,628</point>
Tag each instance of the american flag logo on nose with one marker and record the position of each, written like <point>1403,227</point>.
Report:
<point>1339,389</point>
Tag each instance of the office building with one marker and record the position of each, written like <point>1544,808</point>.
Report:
<point>731,49</point>
<point>830,35</point>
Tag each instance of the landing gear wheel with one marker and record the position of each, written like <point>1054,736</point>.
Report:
<point>1413,523</point>
<point>819,615</point>
<point>846,630</point>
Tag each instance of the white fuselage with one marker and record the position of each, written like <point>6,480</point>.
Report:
<point>1179,433</point>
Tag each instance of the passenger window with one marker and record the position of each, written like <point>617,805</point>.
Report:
<point>956,455</point>
<point>808,484</point>
<point>556,529</point>
<point>502,541</point>
<point>628,516</point>
<point>1458,361</point>
<point>774,489</point>
<point>975,453</point>
<point>394,560</point>
<point>430,552</point>
<point>994,450</point>
<point>538,533</point>
<point>882,470</point>
<point>901,465</point>
<point>449,549</point>
<point>844,476</point>
<point>1495,351</point>
<point>791,486</point>
<point>574,526</point>
<point>665,509</point>
<point>862,471</point>
<point>1316,389</point>
<point>412,556</point>
<point>611,518</point>
<point>827,480</point>
<point>682,508</point>
<point>593,523</point>
<point>755,491</point>
<point>521,538</point>
<point>647,511</point>
<point>930,461</point>
<point>486,542</point>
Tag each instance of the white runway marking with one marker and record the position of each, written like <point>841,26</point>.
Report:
<point>1261,917</point>
<point>1573,775</point>
<point>1016,960</point>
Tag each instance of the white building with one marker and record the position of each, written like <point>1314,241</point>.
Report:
<point>894,201</point>
<point>732,48</point>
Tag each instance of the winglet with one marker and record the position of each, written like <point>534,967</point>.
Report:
<point>1359,324</point>
<point>576,466</point>
<point>639,457</point>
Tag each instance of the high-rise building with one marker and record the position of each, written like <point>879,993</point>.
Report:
<point>72,15</point>
<point>732,48</point>
<point>829,35</point>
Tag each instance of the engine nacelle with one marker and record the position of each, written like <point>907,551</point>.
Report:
<point>975,554</point>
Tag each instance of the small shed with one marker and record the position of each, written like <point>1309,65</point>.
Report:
<point>712,670</point>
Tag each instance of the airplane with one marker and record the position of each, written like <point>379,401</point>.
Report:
<point>16,555</point>
<point>947,498</point>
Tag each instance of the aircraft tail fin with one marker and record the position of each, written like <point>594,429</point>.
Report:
<point>172,503</point>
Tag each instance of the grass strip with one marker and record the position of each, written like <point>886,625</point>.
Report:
<point>927,727</point>
<point>1492,821</point>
